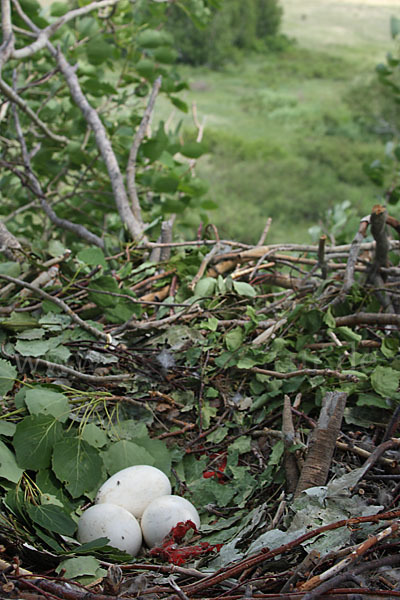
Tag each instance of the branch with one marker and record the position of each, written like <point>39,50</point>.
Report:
<point>359,551</point>
<point>378,230</point>
<point>14,97</point>
<point>93,330</point>
<point>289,459</point>
<point>95,379</point>
<point>310,372</point>
<point>45,34</point>
<point>77,229</point>
<point>318,461</point>
<point>266,554</point>
<point>131,167</point>
<point>103,143</point>
<point>361,318</point>
<point>353,254</point>
<point>6,21</point>
<point>321,256</point>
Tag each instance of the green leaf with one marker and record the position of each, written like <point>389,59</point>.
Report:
<point>104,284</point>
<point>165,55</point>
<point>8,374</point>
<point>18,322</point>
<point>207,413</point>
<point>98,50</point>
<point>373,400</point>
<point>40,400</point>
<point>211,324</point>
<point>349,334</point>
<point>34,440</point>
<point>205,287</point>
<point>84,565</point>
<point>58,9</point>
<point>159,452</point>
<point>206,491</point>
<point>152,38</point>
<point>165,184</point>
<point>312,320</point>
<point>385,380</point>
<point>12,269</point>
<point>32,347</point>
<point>94,436</point>
<point>193,149</point>
<point>390,347</point>
<point>7,428</point>
<point>277,453</point>
<point>234,339</point>
<point>193,187</point>
<point>329,319</point>
<point>8,465</point>
<point>244,289</point>
<point>179,104</point>
<point>52,518</point>
<point>92,256</point>
<point>394,26</point>
<point>124,454</point>
<point>146,68</point>
<point>31,334</point>
<point>78,465</point>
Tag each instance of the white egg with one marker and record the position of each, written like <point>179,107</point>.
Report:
<point>113,522</point>
<point>163,514</point>
<point>134,488</point>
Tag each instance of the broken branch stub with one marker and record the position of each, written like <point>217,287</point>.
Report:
<point>318,461</point>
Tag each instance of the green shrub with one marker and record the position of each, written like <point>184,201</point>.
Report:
<point>236,25</point>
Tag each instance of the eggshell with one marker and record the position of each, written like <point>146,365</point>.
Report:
<point>113,522</point>
<point>134,488</point>
<point>163,514</point>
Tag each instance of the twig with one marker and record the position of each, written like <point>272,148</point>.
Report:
<point>166,236</point>
<point>77,229</point>
<point>359,551</point>
<point>46,33</point>
<point>263,556</point>
<point>13,96</point>
<point>204,263</point>
<point>378,230</point>
<point>321,256</point>
<point>309,372</point>
<point>93,330</point>
<point>361,318</point>
<point>265,232</point>
<point>177,589</point>
<point>131,167</point>
<point>67,370</point>
<point>289,460</point>
<point>353,254</point>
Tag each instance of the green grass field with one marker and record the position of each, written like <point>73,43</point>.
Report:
<point>289,132</point>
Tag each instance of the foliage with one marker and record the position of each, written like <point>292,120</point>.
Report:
<point>58,154</point>
<point>386,173</point>
<point>232,26</point>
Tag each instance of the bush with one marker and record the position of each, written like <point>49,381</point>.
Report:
<point>236,25</point>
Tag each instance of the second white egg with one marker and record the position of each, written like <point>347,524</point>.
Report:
<point>163,514</point>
